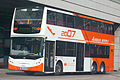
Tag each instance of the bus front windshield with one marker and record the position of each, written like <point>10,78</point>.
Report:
<point>28,20</point>
<point>27,46</point>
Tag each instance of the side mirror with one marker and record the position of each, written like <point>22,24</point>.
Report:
<point>45,37</point>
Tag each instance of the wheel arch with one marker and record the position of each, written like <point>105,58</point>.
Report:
<point>94,67</point>
<point>59,61</point>
<point>94,62</point>
<point>103,63</point>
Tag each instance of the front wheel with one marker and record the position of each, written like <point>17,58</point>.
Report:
<point>58,68</point>
<point>94,68</point>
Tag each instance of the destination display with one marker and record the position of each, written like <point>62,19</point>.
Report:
<point>26,29</point>
<point>28,20</point>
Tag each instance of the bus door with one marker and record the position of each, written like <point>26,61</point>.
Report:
<point>80,57</point>
<point>49,55</point>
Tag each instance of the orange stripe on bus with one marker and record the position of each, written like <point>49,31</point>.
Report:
<point>93,19</point>
<point>35,68</point>
<point>98,37</point>
<point>70,39</point>
<point>30,35</point>
<point>74,14</point>
<point>50,30</point>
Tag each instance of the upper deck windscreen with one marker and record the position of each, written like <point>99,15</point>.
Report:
<point>28,20</point>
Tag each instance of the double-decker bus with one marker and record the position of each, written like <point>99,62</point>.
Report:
<point>45,39</point>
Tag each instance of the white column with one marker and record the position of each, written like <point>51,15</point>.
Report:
<point>117,50</point>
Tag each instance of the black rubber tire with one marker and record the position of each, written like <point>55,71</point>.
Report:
<point>58,69</point>
<point>102,68</point>
<point>94,68</point>
<point>29,72</point>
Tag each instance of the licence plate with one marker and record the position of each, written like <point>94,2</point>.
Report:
<point>24,68</point>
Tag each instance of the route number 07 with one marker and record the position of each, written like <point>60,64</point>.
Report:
<point>69,33</point>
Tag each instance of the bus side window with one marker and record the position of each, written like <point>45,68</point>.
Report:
<point>60,19</point>
<point>70,49</point>
<point>87,24</point>
<point>93,50</point>
<point>87,50</point>
<point>101,51</point>
<point>60,48</point>
<point>102,27</point>
<point>51,17</point>
<point>65,48</point>
<point>79,22</point>
<point>109,29</point>
<point>94,25</point>
<point>70,21</point>
<point>107,49</point>
<point>97,51</point>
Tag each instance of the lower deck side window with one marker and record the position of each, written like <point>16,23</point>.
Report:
<point>97,51</point>
<point>64,48</point>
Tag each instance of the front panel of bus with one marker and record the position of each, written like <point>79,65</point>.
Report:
<point>26,49</point>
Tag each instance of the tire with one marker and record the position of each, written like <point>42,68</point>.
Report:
<point>58,68</point>
<point>102,68</point>
<point>94,68</point>
<point>29,72</point>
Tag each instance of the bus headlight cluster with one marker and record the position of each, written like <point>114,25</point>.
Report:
<point>38,61</point>
<point>10,61</point>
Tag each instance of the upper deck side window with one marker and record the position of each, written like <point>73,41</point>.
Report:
<point>87,24</point>
<point>95,26</point>
<point>65,20</point>
<point>79,22</point>
<point>60,19</point>
<point>51,17</point>
<point>70,21</point>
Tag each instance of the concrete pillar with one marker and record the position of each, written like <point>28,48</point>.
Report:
<point>117,50</point>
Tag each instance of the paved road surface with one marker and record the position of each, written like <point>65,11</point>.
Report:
<point>19,75</point>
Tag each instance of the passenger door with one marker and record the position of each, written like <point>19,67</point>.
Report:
<point>80,57</point>
<point>49,55</point>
